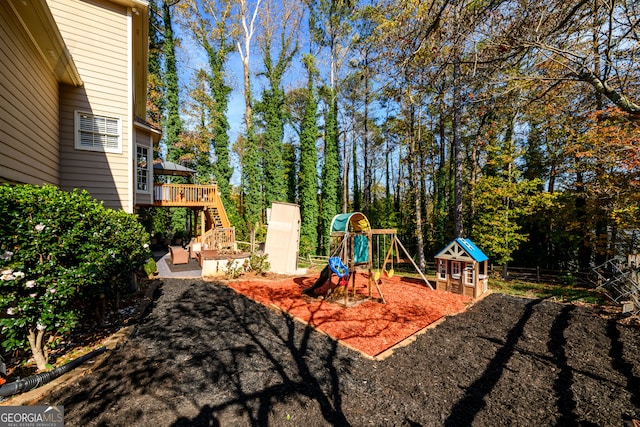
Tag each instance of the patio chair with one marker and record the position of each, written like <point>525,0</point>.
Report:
<point>179,255</point>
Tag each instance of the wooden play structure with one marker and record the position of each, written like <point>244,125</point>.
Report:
<point>350,242</point>
<point>393,254</point>
<point>351,247</point>
<point>462,268</point>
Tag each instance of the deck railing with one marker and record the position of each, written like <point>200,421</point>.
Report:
<point>220,238</point>
<point>184,194</point>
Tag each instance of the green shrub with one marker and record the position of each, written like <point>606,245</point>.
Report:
<point>259,264</point>
<point>59,250</point>
<point>233,270</point>
<point>569,279</point>
<point>150,267</point>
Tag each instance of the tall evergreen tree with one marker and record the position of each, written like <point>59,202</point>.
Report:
<point>308,192</point>
<point>173,124</point>
<point>155,85</point>
<point>272,156</point>
<point>330,179</point>
<point>252,180</point>
<point>210,23</point>
<point>219,123</point>
<point>199,141</point>
<point>329,23</point>
<point>278,25</point>
<point>252,174</point>
<point>290,162</point>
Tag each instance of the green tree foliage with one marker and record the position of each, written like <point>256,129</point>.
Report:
<point>209,22</point>
<point>527,111</point>
<point>58,252</point>
<point>173,122</point>
<point>155,84</point>
<point>330,28</point>
<point>280,40</point>
<point>308,192</point>
<point>290,162</point>
<point>272,108</point>
<point>252,179</point>
<point>330,177</point>
<point>501,204</point>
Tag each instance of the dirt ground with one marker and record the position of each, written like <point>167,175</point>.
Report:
<point>205,355</point>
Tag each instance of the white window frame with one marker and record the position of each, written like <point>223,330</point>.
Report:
<point>469,274</point>
<point>147,168</point>
<point>455,269</point>
<point>107,127</point>
<point>442,269</point>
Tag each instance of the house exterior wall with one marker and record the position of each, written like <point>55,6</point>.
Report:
<point>28,107</point>
<point>97,34</point>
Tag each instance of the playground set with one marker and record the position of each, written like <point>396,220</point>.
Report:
<point>462,267</point>
<point>360,274</point>
<point>384,309</point>
<point>351,246</point>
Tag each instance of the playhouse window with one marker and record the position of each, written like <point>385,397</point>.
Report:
<point>455,269</point>
<point>442,269</point>
<point>468,275</point>
<point>483,271</point>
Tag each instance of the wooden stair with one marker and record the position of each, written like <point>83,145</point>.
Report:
<point>205,198</point>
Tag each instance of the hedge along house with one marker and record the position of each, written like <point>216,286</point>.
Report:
<point>73,87</point>
<point>462,268</point>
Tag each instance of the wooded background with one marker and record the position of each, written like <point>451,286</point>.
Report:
<point>513,123</point>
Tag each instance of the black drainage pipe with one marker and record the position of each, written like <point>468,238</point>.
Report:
<point>37,380</point>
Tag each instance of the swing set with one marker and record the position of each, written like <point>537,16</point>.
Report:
<point>351,247</point>
<point>394,253</point>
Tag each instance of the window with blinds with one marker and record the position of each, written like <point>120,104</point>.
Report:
<point>98,133</point>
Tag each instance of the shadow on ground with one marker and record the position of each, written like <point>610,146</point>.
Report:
<point>206,356</point>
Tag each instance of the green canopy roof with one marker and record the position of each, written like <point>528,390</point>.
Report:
<point>354,221</point>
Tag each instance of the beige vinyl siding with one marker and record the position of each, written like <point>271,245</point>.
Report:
<point>96,34</point>
<point>28,108</point>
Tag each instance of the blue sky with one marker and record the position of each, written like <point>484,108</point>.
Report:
<point>191,58</point>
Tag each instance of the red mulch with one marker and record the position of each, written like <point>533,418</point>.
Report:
<point>370,327</point>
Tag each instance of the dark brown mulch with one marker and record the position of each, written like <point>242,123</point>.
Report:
<point>206,355</point>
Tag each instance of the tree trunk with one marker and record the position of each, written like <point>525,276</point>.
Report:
<point>366,185</point>
<point>39,354</point>
<point>248,110</point>
<point>413,165</point>
<point>457,148</point>
<point>440,202</point>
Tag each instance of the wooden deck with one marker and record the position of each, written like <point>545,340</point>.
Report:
<point>185,195</point>
<point>205,198</point>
